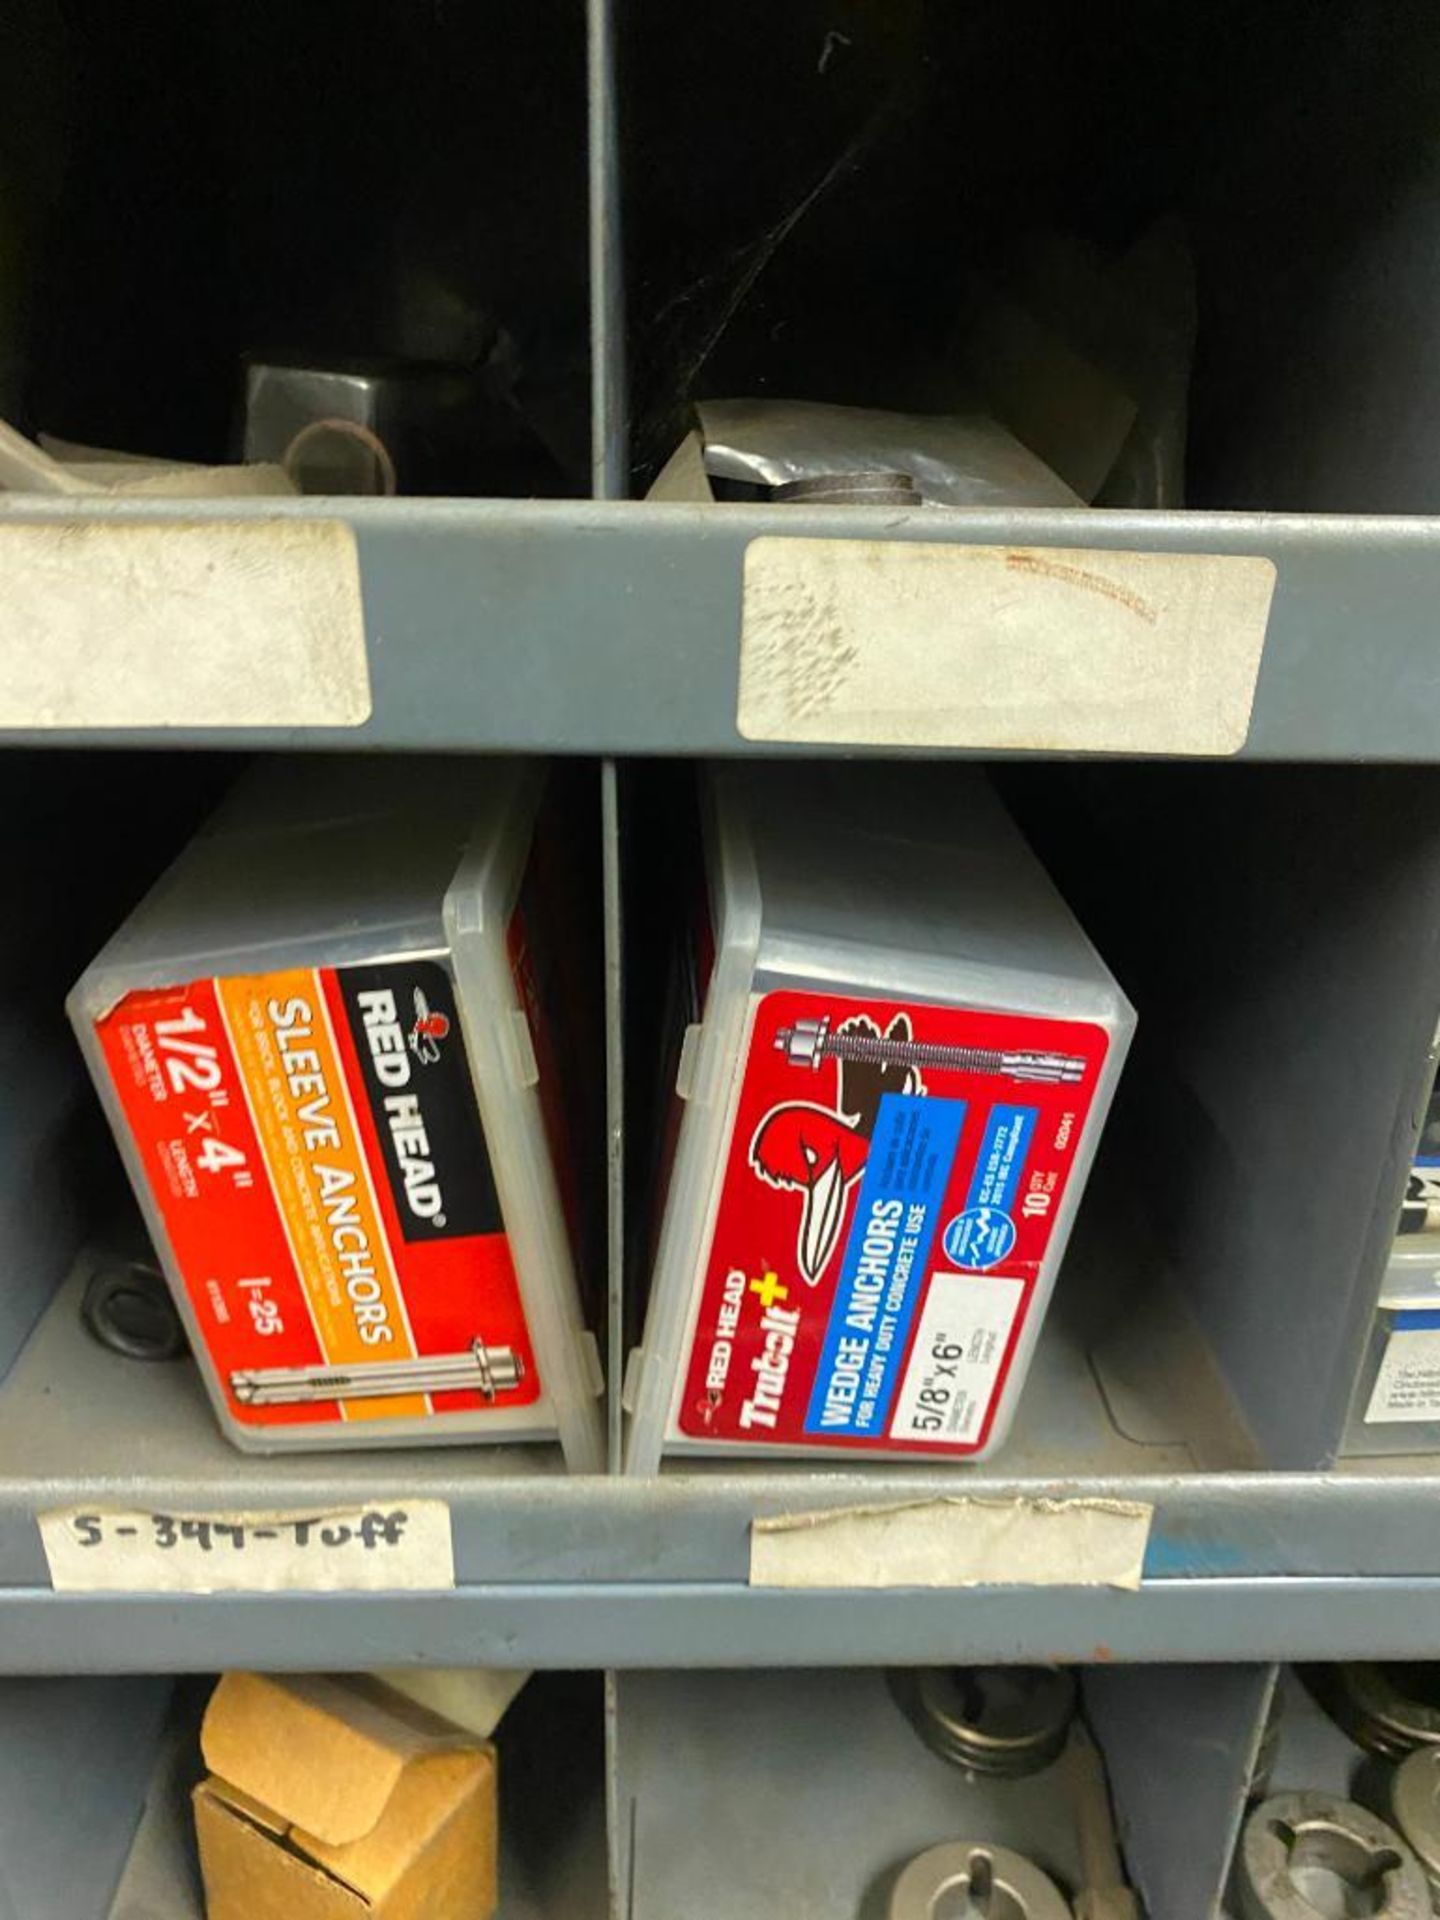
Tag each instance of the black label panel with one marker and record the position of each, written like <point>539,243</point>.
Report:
<point>406,1029</point>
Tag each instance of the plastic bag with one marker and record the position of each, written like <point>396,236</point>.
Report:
<point>955,460</point>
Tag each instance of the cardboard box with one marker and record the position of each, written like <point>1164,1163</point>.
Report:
<point>337,1799</point>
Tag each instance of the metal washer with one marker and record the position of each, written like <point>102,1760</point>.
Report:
<point>1381,1705</point>
<point>128,1308</point>
<point>999,1883</point>
<point>1415,1804</point>
<point>1002,1721</point>
<point>1296,1845</point>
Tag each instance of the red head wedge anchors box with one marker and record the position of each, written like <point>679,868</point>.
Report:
<point>325,1047</point>
<point>906,1056</point>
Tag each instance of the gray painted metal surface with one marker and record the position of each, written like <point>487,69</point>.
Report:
<point>1180,1745</point>
<point>81,1426</point>
<point>556,1570</point>
<point>615,628</point>
<point>645,1625</point>
<point>1285,963</point>
<point>614,1108</point>
<point>1314,1755</point>
<point>161,1880</point>
<point>801,1793</point>
<point>607,293</point>
<point>75,1761</point>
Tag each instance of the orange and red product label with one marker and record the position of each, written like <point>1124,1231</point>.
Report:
<point>312,1142</point>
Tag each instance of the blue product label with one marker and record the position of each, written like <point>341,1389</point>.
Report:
<point>979,1238</point>
<point>1000,1163</point>
<point>984,1233</point>
<point>901,1197</point>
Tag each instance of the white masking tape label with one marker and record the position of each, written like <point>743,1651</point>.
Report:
<point>891,643</point>
<point>253,623</point>
<point>956,1543</point>
<point>1407,1387</point>
<point>387,1547</point>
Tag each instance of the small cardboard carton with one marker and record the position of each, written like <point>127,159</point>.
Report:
<point>337,1799</point>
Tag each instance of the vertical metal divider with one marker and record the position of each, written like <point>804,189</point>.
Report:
<point>608,471</point>
<point>614,1111</point>
<point>1362,1011</point>
<point>608,412</point>
<point>1181,1747</point>
<point>609,467</point>
<point>1287,969</point>
<point>69,1742</point>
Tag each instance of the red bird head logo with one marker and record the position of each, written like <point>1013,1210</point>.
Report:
<point>429,1029</point>
<point>816,1154</point>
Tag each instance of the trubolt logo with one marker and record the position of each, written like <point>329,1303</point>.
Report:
<point>428,1030</point>
<point>408,1134</point>
<point>771,1366</point>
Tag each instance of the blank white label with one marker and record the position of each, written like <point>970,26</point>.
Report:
<point>239,623</point>
<point>955,1361</point>
<point>890,643</point>
<point>1407,1387</point>
<point>957,1541</point>
<point>384,1547</point>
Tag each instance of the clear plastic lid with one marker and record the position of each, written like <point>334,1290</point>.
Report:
<point>908,885</point>
<point>341,865</point>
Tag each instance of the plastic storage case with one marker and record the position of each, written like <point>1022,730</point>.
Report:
<point>907,1052</point>
<point>1397,1400</point>
<point>1396,1408</point>
<point>316,1040</point>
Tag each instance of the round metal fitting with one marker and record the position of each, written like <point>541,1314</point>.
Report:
<point>860,489</point>
<point>128,1307</point>
<point>1002,1721</point>
<point>1309,1856</point>
<point>971,1876</point>
<point>1390,1708</point>
<point>1415,1803</point>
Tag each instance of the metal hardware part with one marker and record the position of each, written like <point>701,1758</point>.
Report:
<point>1002,1721</point>
<point>1415,1805</point>
<point>973,1877</point>
<point>354,426</point>
<point>1389,1708</point>
<point>863,488</point>
<point>1309,1854</point>
<point>1104,1893</point>
<point>480,1369</point>
<point>128,1307</point>
<point>809,1043</point>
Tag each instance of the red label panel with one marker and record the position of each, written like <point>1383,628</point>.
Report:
<point>311,1141</point>
<point>893,1176</point>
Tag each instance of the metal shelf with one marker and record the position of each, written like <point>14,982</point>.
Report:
<point>613,629</point>
<point>644,1625</point>
<point>862,1795</point>
<point>562,1571</point>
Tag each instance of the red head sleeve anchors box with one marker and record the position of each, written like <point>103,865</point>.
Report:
<point>907,1052</point>
<point>323,1048</point>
